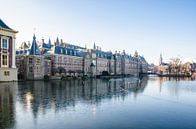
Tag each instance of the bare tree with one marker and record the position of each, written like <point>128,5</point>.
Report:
<point>175,65</point>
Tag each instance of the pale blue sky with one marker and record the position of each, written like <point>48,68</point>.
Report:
<point>149,26</point>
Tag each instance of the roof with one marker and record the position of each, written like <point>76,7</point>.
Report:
<point>102,54</point>
<point>22,52</point>
<point>24,46</point>
<point>34,48</point>
<point>4,26</point>
<point>68,51</point>
<point>46,45</point>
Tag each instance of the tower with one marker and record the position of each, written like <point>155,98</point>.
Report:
<point>94,47</point>
<point>35,61</point>
<point>160,60</point>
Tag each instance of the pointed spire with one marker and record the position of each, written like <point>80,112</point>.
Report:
<point>85,46</point>
<point>57,41</point>
<point>160,59</point>
<point>34,47</point>
<point>34,38</point>
<point>49,41</point>
<point>94,46</point>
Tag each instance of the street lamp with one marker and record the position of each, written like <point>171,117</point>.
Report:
<point>136,55</point>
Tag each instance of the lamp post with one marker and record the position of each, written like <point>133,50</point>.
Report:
<point>136,55</point>
<point>137,68</point>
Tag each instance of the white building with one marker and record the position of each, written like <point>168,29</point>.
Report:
<point>8,70</point>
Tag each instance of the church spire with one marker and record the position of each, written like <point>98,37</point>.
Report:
<point>34,47</point>
<point>94,47</point>
<point>57,41</point>
<point>49,41</point>
<point>160,60</point>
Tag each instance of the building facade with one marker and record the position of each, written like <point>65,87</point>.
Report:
<point>8,70</point>
<point>60,59</point>
<point>31,63</point>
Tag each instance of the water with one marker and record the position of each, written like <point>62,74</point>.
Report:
<point>152,103</point>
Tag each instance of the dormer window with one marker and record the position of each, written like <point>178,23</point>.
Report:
<point>5,43</point>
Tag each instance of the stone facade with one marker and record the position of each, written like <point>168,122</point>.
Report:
<point>8,70</point>
<point>63,59</point>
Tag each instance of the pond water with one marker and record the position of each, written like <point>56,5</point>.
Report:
<point>126,103</point>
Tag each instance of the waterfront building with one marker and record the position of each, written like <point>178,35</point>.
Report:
<point>112,65</point>
<point>102,61</point>
<point>88,66</point>
<point>175,67</point>
<point>117,63</point>
<point>8,70</point>
<point>31,63</point>
<point>126,63</point>
<point>67,59</point>
<point>143,65</point>
<point>134,64</point>
<point>163,68</point>
<point>64,59</point>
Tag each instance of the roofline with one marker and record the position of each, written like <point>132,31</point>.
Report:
<point>10,30</point>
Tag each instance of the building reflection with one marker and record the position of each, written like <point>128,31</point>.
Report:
<point>7,105</point>
<point>176,85</point>
<point>40,96</point>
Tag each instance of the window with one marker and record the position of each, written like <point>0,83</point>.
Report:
<point>37,69</point>
<point>6,73</point>
<point>38,61</point>
<point>31,69</point>
<point>5,61</point>
<point>5,43</point>
<point>30,60</point>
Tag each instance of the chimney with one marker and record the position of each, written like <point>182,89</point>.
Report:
<point>124,51</point>
<point>42,40</point>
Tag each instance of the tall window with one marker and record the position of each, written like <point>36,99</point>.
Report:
<point>38,61</point>
<point>4,59</point>
<point>31,69</point>
<point>30,60</point>
<point>5,43</point>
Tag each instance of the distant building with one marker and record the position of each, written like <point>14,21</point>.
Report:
<point>31,63</point>
<point>63,60</point>
<point>8,70</point>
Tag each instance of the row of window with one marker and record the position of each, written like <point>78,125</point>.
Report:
<point>38,61</point>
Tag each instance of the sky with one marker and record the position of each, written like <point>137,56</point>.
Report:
<point>152,27</point>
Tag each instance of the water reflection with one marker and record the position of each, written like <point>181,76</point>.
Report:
<point>7,105</point>
<point>115,103</point>
<point>58,95</point>
<point>176,84</point>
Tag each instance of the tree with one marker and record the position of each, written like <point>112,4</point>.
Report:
<point>175,65</point>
